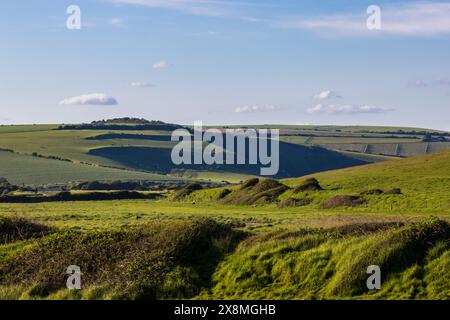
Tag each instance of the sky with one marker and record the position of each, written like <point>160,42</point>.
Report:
<point>226,62</point>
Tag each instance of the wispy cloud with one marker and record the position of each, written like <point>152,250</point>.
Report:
<point>430,83</point>
<point>160,64</point>
<point>90,99</point>
<point>347,109</point>
<point>409,19</point>
<point>255,108</point>
<point>327,94</point>
<point>209,8</point>
<point>141,85</point>
<point>197,7</point>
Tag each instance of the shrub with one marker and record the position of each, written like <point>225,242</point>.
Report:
<point>13,229</point>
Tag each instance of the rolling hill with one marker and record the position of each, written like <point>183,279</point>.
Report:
<point>127,149</point>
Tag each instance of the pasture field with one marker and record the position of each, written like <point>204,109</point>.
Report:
<point>21,169</point>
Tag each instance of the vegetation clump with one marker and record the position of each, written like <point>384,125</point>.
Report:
<point>344,201</point>
<point>14,229</point>
<point>310,184</point>
<point>154,261</point>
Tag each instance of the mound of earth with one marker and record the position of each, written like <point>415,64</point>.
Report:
<point>310,184</point>
<point>256,191</point>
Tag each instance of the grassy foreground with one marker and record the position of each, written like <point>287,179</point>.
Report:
<point>196,259</point>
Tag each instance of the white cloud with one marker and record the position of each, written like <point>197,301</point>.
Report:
<point>90,99</point>
<point>160,64</point>
<point>141,85</point>
<point>117,22</point>
<point>347,109</point>
<point>327,94</point>
<point>250,109</point>
<point>410,19</point>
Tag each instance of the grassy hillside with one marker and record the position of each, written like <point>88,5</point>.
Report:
<point>417,173</point>
<point>405,186</point>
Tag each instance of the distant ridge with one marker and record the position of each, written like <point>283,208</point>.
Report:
<point>125,123</point>
<point>128,120</point>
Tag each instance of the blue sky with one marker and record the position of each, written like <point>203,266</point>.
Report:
<point>226,62</point>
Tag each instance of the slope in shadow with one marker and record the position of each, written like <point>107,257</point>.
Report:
<point>295,160</point>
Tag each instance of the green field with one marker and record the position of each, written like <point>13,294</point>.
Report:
<point>21,169</point>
